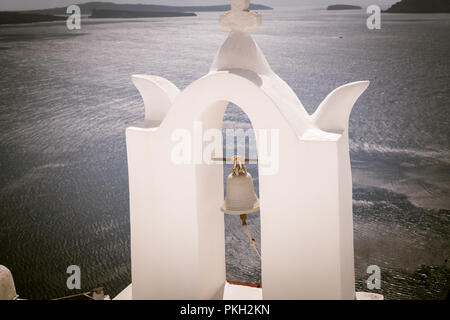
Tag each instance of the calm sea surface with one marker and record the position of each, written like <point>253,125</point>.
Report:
<point>66,98</point>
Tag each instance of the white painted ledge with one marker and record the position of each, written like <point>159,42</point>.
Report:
<point>237,292</point>
<point>126,294</point>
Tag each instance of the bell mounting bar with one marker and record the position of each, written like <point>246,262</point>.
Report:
<point>235,159</point>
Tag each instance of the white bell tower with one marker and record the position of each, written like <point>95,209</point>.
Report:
<point>177,227</point>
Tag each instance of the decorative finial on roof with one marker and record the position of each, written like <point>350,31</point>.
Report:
<point>240,18</point>
<point>240,5</point>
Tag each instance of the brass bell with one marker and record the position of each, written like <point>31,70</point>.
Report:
<point>240,197</point>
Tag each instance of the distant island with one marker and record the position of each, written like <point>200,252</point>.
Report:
<point>420,6</point>
<point>343,7</point>
<point>88,7</point>
<point>113,10</point>
<point>100,13</point>
<point>8,17</point>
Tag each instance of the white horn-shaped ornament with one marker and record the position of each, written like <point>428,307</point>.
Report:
<point>158,95</point>
<point>334,112</point>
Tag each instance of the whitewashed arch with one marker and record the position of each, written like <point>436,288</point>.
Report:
<point>177,231</point>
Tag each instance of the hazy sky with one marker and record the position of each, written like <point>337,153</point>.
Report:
<point>43,4</point>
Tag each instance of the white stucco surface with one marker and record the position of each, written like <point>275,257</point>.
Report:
<point>177,228</point>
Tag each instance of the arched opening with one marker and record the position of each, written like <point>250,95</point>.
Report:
<point>226,255</point>
<point>204,102</point>
<point>243,265</point>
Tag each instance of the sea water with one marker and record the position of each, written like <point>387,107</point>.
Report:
<point>66,98</point>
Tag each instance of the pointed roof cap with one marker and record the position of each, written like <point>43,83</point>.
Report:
<point>240,18</point>
<point>240,51</point>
